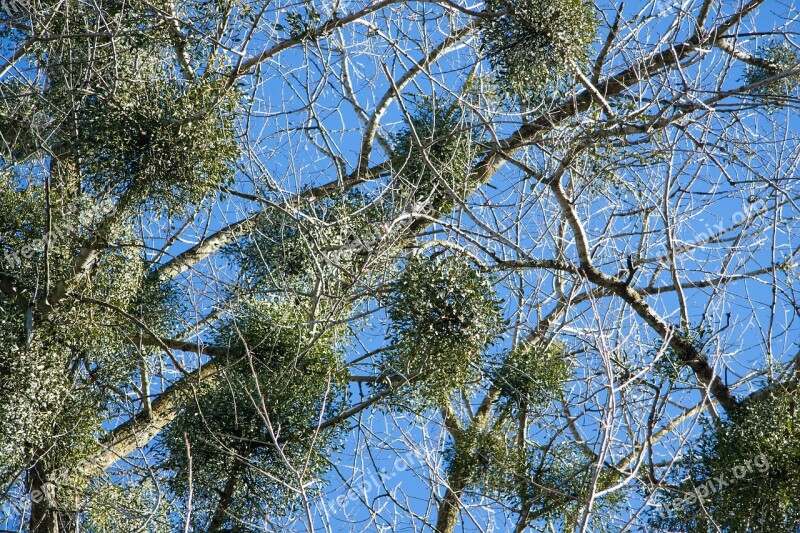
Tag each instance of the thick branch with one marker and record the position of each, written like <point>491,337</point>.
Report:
<point>686,351</point>
<point>729,48</point>
<point>228,234</point>
<point>140,430</point>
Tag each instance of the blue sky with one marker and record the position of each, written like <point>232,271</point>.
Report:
<point>746,317</point>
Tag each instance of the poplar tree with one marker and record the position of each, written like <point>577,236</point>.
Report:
<point>511,265</point>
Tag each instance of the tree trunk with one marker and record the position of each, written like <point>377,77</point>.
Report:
<point>226,499</point>
<point>48,515</point>
<point>448,509</point>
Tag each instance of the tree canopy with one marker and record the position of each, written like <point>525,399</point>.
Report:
<point>514,265</point>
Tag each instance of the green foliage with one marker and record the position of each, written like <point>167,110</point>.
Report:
<point>31,386</point>
<point>282,377</point>
<point>126,507</point>
<point>64,357</point>
<point>530,43</point>
<point>35,379</point>
<point>57,377</point>
<point>744,474</point>
<point>488,461</point>
<point>301,25</point>
<point>104,122</point>
<point>443,314</point>
<point>21,224</point>
<point>162,141</point>
<point>434,153</point>
<point>57,373</point>
<point>561,478</point>
<point>532,375</point>
<point>554,479</point>
<point>321,246</point>
<point>20,120</point>
<point>781,57</point>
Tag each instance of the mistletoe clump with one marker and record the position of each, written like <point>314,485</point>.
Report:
<point>35,377</point>
<point>21,120</point>
<point>31,385</point>
<point>531,43</point>
<point>252,429</point>
<point>488,461</point>
<point>532,374</point>
<point>493,462</point>
<point>443,315</point>
<point>322,243</point>
<point>433,154</point>
<point>745,473</point>
<point>774,58</point>
<point>160,140</point>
